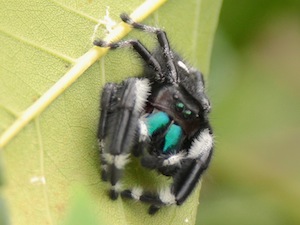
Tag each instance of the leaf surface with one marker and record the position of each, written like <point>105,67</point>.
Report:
<point>40,41</point>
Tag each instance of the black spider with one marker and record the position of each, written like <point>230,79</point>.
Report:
<point>161,116</point>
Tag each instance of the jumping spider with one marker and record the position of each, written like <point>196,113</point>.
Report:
<point>161,116</point>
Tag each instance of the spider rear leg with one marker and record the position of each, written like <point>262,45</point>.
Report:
<point>121,106</point>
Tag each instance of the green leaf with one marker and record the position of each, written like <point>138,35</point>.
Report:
<point>41,40</point>
<point>3,208</point>
<point>4,217</point>
<point>82,210</point>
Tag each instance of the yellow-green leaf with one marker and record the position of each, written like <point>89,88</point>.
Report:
<point>40,42</point>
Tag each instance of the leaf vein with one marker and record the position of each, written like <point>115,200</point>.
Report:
<point>80,13</point>
<point>39,47</point>
<point>42,170</point>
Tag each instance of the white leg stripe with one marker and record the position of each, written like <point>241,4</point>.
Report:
<point>117,187</point>
<point>109,158</point>
<point>136,193</point>
<point>118,160</point>
<point>121,160</point>
<point>174,159</point>
<point>201,146</point>
<point>167,197</point>
<point>142,93</point>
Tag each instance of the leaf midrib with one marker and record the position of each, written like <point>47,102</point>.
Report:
<point>82,63</point>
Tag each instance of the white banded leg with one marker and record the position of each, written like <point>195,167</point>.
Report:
<point>120,127</point>
<point>162,198</point>
<point>192,166</point>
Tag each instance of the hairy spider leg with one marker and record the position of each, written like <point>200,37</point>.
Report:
<point>184,180</point>
<point>163,42</point>
<point>121,106</point>
<point>108,94</point>
<point>141,50</point>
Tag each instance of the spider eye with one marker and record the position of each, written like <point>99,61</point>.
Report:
<point>179,106</point>
<point>187,113</point>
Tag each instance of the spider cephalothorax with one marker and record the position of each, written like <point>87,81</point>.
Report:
<point>161,116</point>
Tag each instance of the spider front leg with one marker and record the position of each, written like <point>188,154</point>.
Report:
<point>163,42</point>
<point>121,106</point>
<point>141,50</point>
